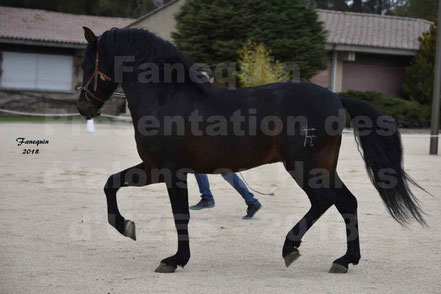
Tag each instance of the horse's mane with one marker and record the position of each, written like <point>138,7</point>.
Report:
<point>144,45</point>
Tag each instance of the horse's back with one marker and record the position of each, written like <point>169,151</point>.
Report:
<point>312,116</point>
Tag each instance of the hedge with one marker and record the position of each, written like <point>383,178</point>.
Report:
<point>408,114</point>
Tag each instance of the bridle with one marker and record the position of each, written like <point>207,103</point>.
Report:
<point>94,77</point>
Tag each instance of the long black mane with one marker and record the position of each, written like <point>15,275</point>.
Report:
<point>143,45</point>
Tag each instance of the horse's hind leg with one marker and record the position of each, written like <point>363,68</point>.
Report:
<point>134,176</point>
<point>346,204</point>
<point>320,202</point>
<point>321,198</point>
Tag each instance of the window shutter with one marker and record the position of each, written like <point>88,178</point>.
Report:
<point>54,72</point>
<point>19,70</point>
<point>37,71</point>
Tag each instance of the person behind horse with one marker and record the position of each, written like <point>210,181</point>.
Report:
<point>207,200</point>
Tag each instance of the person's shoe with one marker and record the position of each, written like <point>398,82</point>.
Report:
<point>252,209</point>
<point>204,203</point>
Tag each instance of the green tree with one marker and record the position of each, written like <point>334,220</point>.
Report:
<point>378,6</point>
<point>366,6</point>
<point>213,32</point>
<point>116,8</point>
<point>418,83</point>
<point>419,9</point>
<point>357,6</point>
<point>257,68</point>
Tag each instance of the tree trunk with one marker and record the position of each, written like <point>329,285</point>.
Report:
<point>357,7</point>
<point>340,5</point>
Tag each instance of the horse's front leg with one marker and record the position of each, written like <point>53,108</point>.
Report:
<point>177,191</point>
<point>137,176</point>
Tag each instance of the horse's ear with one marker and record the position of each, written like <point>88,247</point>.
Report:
<point>89,35</point>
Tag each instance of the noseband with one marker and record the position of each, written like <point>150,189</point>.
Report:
<point>94,77</point>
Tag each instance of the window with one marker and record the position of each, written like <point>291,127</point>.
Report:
<point>36,71</point>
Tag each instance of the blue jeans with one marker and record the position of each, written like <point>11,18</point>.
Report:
<point>233,179</point>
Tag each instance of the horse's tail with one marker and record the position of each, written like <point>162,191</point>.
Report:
<point>383,155</point>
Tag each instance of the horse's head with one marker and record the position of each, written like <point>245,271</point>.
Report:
<point>97,84</point>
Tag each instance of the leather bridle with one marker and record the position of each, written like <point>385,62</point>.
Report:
<point>94,77</point>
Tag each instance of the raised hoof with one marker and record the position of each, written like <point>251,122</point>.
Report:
<point>165,268</point>
<point>129,229</point>
<point>291,257</point>
<point>338,269</point>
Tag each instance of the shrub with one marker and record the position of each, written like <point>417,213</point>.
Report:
<point>408,114</point>
<point>418,83</point>
<point>257,67</point>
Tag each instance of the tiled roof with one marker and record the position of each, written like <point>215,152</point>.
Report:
<point>344,28</point>
<point>48,26</point>
<point>372,30</point>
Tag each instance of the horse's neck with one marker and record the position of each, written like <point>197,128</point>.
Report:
<point>146,99</point>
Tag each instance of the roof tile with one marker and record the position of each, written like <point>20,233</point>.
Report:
<point>372,30</point>
<point>42,25</point>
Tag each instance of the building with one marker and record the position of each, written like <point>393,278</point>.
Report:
<point>366,51</point>
<point>40,55</point>
<point>369,51</point>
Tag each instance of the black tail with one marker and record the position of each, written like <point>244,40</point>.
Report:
<point>383,155</point>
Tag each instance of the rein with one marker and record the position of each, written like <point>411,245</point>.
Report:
<point>94,77</point>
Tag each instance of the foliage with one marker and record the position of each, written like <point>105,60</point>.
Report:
<point>257,67</point>
<point>408,114</point>
<point>425,9</point>
<point>116,8</point>
<point>418,83</point>
<point>366,6</point>
<point>419,9</point>
<point>214,32</point>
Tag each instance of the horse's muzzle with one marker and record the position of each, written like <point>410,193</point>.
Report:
<point>88,110</point>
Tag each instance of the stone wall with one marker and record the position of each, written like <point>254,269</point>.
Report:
<point>50,102</point>
<point>163,22</point>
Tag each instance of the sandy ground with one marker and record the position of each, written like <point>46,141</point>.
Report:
<point>55,238</point>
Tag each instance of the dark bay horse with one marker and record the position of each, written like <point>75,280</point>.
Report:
<point>184,124</point>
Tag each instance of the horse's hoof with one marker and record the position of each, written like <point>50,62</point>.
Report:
<point>291,257</point>
<point>129,229</point>
<point>165,268</point>
<point>338,269</point>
